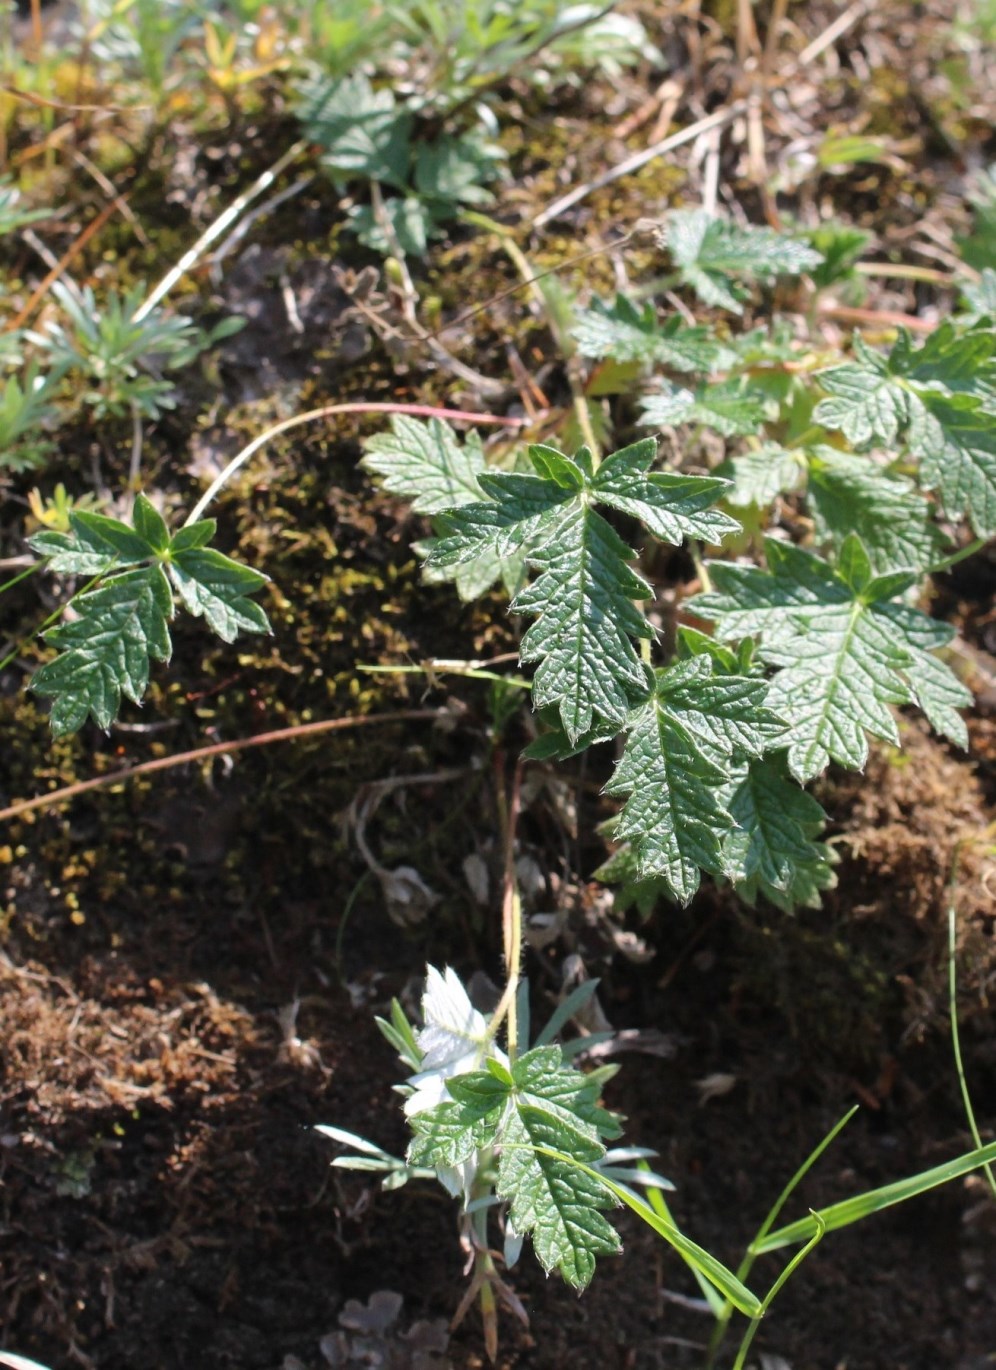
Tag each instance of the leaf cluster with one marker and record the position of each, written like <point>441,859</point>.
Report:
<point>119,353</point>
<point>119,622</point>
<point>541,1117</point>
<point>369,135</point>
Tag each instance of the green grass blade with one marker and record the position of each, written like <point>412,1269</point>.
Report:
<point>955,1035</point>
<point>778,1285</point>
<point>863,1205</point>
<point>696,1256</point>
<point>658,1203</point>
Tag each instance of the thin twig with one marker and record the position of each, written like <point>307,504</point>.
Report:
<point>215,230</point>
<point>57,270</point>
<point>511,924</point>
<point>162,763</point>
<point>871,318</point>
<point>109,189</point>
<point>685,135</point>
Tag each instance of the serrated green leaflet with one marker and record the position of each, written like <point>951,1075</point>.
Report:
<point>212,586</point>
<point>853,494</point>
<point>844,654</point>
<point>538,1102</point>
<point>627,333</point>
<point>772,850</point>
<point>674,766</point>
<point>362,132</point>
<point>981,297</point>
<point>958,459</point>
<point>713,255</point>
<point>622,869</point>
<point>936,689</point>
<point>427,464</point>
<point>758,477</point>
<point>93,545</point>
<point>105,651</point>
<point>939,400</point>
<point>583,597</point>
<point>728,407</point>
<point>550,1200</point>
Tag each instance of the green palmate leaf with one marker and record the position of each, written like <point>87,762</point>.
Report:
<point>773,851</point>
<point>427,464</point>
<point>362,132</point>
<point>452,171</point>
<point>854,494</point>
<point>411,221</point>
<point>678,758</point>
<point>714,255</point>
<point>728,407</point>
<point>840,245</point>
<point>105,651</point>
<point>939,400</point>
<point>758,477</point>
<point>844,653</point>
<point>583,597</point>
<point>627,333</point>
<point>538,1102</point>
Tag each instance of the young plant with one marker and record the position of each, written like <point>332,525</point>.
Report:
<point>121,351</point>
<point>120,620</point>
<point>812,651</point>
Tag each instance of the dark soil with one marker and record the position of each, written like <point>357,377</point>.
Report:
<point>190,963</point>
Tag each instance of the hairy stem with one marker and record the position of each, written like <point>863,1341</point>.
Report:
<point>327,411</point>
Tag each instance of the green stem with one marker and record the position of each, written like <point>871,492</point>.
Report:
<point>564,345</point>
<point>28,571</point>
<point>746,1265</point>
<point>435,668</point>
<point>964,552</point>
<point>955,1036</point>
<point>778,1285</point>
<point>905,271</point>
